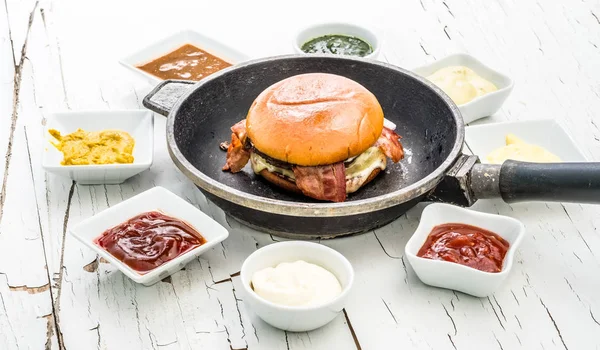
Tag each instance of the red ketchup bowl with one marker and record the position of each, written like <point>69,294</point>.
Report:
<point>463,250</point>
<point>150,236</point>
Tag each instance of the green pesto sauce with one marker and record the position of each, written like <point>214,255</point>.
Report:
<point>339,45</point>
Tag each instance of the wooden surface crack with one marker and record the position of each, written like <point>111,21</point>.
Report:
<point>519,322</point>
<point>390,311</point>
<point>515,297</point>
<point>152,338</point>
<point>576,229</point>
<point>221,306</point>
<point>498,341</point>
<point>499,307</point>
<point>62,75</point>
<point>572,290</point>
<point>496,313</point>
<point>451,320</point>
<point>256,334</point>
<point>15,108</point>
<point>594,318</point>
<point>448,8</point>
<point>452,342</point>
<point>93,266</point>
<point>59,277</point>
<point>237,306</point>
<point>383,248</point>
<point>49,331</point>
<point>352,332</point>
<point>30,290</point>
<point>99,341</point>
<point>596,17</point>
<point>137,98</point>
<point>554,323</point>
<point>423,48</point>
<point>446,32</point>
<point>287,342</point>
<point>5,312</point>
<point>405,270</point>
<point>180,313</point>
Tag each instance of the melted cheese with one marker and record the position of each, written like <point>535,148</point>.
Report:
<point>259,164</point>
<point>357,172</point>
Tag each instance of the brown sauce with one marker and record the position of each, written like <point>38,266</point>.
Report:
<point>187,63</point>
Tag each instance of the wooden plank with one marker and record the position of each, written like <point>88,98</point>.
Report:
<point>25,295</point>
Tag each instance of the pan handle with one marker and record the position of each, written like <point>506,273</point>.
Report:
<point>164,96</point>
<point>521,181</point>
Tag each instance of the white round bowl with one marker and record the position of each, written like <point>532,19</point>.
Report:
<point>297,318</point>
<point>348,29</point>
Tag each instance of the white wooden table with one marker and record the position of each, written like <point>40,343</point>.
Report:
<point>55,293</point>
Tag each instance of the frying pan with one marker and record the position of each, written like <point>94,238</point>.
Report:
<point>434,169</point>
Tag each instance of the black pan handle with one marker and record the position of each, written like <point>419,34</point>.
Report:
<point>553,182</point>
<point>164,96</point>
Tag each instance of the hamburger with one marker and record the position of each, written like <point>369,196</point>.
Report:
<point>321,135</point>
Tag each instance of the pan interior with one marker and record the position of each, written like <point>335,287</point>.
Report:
<point>423,119</point>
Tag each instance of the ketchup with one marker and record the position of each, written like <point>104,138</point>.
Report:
<point>149,240</point>
<point>466,245</point>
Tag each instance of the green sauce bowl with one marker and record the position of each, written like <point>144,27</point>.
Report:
<point>337,28</point>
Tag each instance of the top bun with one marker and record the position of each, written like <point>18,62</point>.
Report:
<point>314,119</point>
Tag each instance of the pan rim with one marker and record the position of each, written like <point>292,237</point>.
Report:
<point>283,207</point>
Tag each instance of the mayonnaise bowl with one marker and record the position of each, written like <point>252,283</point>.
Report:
<point>297,318</point>
<point>481,106</point>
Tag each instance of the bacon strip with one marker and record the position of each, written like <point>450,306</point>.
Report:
<point>389,144</point>
<point>237,152</point>
<point>325,182</point>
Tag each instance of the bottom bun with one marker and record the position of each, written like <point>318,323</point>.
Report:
<point>291,186</point>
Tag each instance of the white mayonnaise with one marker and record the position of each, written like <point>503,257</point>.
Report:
<point>296,284</point>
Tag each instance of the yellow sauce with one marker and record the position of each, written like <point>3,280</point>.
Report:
<point>517,149</point>
<point>96,147</point>
<point>461,83</point>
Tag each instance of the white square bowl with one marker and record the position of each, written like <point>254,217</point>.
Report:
<point>138,123</point>
<point>454,276</point>
<point>546,133</point>
<point>175,41</point>
<point>155,199</point>
<point>482,106</point>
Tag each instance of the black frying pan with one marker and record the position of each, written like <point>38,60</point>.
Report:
<point>200,116</point>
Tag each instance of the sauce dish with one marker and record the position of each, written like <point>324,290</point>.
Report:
<point>138,123</point>
<point>546,133</point>
<point>297,318</point>
<point>454,276</point>
<point>353,30</point>
<point>482,106</point>
<point>175,41</point>
<point>155,199</point>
